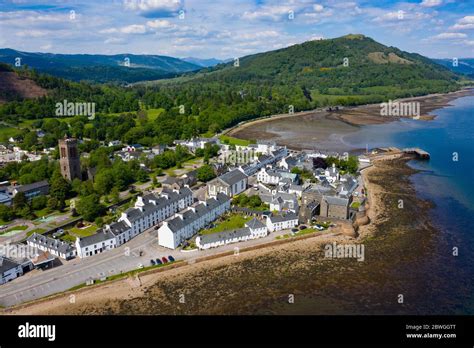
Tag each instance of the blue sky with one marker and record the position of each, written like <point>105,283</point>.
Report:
<point>232,28</point>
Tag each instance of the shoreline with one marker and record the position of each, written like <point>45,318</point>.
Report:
<point>324,129</point>
<point>216,286</point>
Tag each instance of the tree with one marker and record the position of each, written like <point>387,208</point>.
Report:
<point>19,201</point>
<point>52,203</point>
<point>6,213</point>
<point>39,202</point>
<point>115,195</point>
<point>89,207</point>
<point>205,173</point>
<point>59,188</point>
<point>103,181</point>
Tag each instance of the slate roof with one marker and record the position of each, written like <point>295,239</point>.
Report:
<point>100,236</point>
<point>336,200</point>
<point>224,235</point>
<point>254,224</point>
<point>33,186</point>
<point>134,214</point>
<point>50,243</point>
<point>232,177</point>
<point>281,218</point>
<point>6,265</point>
<point>200,210</point>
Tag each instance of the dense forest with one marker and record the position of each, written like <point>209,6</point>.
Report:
<point>349,70</point>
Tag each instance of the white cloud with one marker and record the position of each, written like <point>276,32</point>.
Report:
<point>153,8</point>
<point>133,29</point>
<point>464,23</point>
<point>449,36</point>
<point>318,8</point>
<point>431,3</point>
<point>159,24</point>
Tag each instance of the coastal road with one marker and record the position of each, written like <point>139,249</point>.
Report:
<point>37,283</point>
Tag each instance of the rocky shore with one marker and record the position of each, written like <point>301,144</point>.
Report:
<point>264,281</point>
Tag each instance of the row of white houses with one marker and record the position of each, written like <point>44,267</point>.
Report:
<point>186,224</point>
<point>252,230</point>
<point>148,211</point>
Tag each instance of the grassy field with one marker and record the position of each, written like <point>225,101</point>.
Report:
<point>234,141</point>
<point>232,222</point>
<point>7,132</point>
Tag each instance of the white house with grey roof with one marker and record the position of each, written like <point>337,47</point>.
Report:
<point>282,222</point>
<point>186,224</point>
<point>230,183</point>
<point>253,229</point>
<point>54,246</point>
<point>9,270</point>
<point>148,211</point>
<point>281,201</point>
<point>275,177</point>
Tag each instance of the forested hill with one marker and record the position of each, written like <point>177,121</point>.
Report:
<point>350,70</point>
<point>464,65</point>
<point>119,68</point>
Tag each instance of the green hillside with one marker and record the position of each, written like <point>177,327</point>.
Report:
<point>305,76</point>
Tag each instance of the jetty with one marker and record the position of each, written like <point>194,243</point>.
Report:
<point>420,153</point>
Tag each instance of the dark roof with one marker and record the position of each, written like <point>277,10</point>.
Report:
<point>336,200</point>
<point>33,186</point>
<point>224,235</point>
<point>232,177</point>
<point>100,236</point>
<point>281,218</point>
<point>51,243</point>
<point>6,264</point>
<point>254,223</point>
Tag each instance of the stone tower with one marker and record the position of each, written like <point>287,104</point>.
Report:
<point>69,159</point>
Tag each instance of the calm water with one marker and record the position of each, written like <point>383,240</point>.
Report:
<point>443,180</point>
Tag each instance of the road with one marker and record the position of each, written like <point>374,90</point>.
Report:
<point>37,283</point>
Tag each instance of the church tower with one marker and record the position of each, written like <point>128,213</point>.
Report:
<point>69,159</point>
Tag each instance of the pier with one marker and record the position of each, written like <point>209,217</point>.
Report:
<point>420,153</point>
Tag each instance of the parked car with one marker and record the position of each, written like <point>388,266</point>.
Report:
<point>319,227</point>
<point>164,259</point>
<point>140,265</point>
<point>158,262</point>
<point>171,258</point>
<point>303,227</point>
<point>152,262</point>
<point>294,230</point>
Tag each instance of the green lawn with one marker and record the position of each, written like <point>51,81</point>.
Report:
<point>154,113</point>
<point>7,132</point>
<point>16,228</point>
<point>232,222</point>
<point>36,230</point>
<point>83,232</point>
<point>234,141</point>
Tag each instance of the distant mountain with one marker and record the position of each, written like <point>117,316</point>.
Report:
<point>205,63</point>
<point>120,68</point>
<point>465,65</point>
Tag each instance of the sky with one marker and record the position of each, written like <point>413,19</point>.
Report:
<point>232,28</point>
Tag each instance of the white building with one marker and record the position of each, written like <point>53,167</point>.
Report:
<point>253,229</point>
<point>230,183</point>
<point>282,222</point>
<point>186,224</point>
<point>332,174</point>
<point>148,211</point>
<point>9,270</point>
<point>281,201</point>
<point>53,246</point>
<point>274,177</point>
